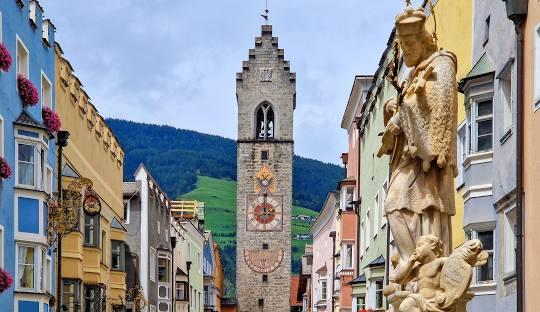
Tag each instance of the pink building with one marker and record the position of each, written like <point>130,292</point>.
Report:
<point>323,265</point>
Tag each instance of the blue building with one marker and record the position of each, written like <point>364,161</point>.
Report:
<point>29,149</point>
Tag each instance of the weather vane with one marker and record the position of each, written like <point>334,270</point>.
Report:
<point>266,13</point>
<point>408,2</point>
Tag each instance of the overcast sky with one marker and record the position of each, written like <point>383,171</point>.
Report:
<point>173,62</point>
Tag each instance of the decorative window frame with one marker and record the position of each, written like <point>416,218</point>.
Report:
<point>39,250</point>
<point>25,236</point>
<point>487,287</point>
<point>45,78</point>
<point>122,260</point>
<point>40,143</point>
<point>18,41</point>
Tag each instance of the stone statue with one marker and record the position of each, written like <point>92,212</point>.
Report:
<point>420,136</point>
<point>440,283</point>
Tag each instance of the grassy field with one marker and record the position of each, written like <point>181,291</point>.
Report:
<point>220,217</point>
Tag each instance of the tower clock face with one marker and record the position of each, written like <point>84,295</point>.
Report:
<point>263,261</point>
<point>264,213</point>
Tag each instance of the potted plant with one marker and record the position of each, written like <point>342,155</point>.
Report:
<point>5,169</point>
<point>51,119</point>
<point>5,58</point>
<point>28,92</point>
<point>5,280</point>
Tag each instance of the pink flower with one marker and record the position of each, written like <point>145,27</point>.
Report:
<point>5,280</point>
<point>5,58</point>
<point>5,169</point>
<point>28,92</point>
<point>51,119</point>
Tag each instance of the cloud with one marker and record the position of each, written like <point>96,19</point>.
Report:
<point>174,62</point>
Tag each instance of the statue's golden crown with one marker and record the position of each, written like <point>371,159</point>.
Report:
<point>410,22</point>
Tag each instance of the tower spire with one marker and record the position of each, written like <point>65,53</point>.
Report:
<point>266,13</point>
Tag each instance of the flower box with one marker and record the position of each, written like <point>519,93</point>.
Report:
<point>5,169</point>
<point>51,120</point>
<point>28,92</point>
<point>5,280</point>
<point>5,58</point>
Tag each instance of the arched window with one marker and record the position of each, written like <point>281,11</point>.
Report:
<point>265,122</point>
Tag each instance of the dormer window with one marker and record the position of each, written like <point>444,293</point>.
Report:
<point>265,122</point>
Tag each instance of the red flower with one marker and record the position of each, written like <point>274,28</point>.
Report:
<point>5,280</point>
<point>5,58</point>
<point>5,169</point>
<point>28,92</point>
<point>51,119</point>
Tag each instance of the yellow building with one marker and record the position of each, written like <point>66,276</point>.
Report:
<point>454,33</point>
<point>93,257</point>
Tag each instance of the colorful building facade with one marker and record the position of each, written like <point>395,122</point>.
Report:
<point>28,147</point>
<point>322,273</point>
<point>93,256</point>
<point>531,152</point>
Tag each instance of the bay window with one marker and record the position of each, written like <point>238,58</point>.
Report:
<point>348,256</point>
<point>509,242</point>
<point>360,303</point>
<point>91,230</point>
<point>379,294</point>
<point>26,271</point>
<point>92,298</point>
<point>163,268</point>
<point>71,294</point>
<point>118,255</point>
<point>484,274</point>
<point>26,163</point>
<point>180,291</point>
<point>323,288</point>
<point>481,125</point>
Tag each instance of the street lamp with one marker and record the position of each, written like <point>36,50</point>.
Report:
<point>61,141</point>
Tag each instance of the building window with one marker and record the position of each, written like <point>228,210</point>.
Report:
<point>104,247</point>
<point>117,255</point>
<point>127,208</point>
<point>368,230</point>
<point>71,294</point>
<point>26,272</point>
<point>505,85</point>
<point>376,214</point>
<point>536,68</point>
<point>481,121</point>
<point>379,294</point>
<point>1,245</point>
<point>22,59</point>
<point>164,271</point>
<point>360,303</point>
<point>509,241</point>
<point>461,152</point>
<point>26,162</point>
<point>265,278</point>
<point>92,298</point>
<point>265,122</point>
<point>348,256</point>
<point>46,91</point>
<point>484,274</point>
<point>486,30</point>
<point>28,215</point>
<point>153,264</point>
<point>181,294</point>
<point>91,230</point>
<point>323,288</point>
<point>1,130</point>
<point>264,155</point>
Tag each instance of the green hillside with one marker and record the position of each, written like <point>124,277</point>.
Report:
<point>220,217</point>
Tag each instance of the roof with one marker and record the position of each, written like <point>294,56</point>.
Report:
<point>359,280</point>
<point>377,262</point>
<point>483,67</point>
<point>347,181</point>
<point>179,271</point>
<point>229,302</point>
<point>360,83</point>
<point>131,187</point>
<point>26,120</point>
<point>295,280</point>
<point>115,224</point>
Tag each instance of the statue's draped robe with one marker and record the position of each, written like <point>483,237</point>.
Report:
<point>420,198</point>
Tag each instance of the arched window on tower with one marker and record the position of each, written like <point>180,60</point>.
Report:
<point>265,122</point>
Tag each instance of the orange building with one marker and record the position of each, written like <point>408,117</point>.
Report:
<point>531,152</point>
<point>218,277</point>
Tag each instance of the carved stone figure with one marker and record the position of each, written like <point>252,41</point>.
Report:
<point>440,283</point>
<point>420,135</point>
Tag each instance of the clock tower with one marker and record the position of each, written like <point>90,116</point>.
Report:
<point>266,95</point>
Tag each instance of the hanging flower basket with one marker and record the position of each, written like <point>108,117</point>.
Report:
<point>28,92</point>
<point>5,169</point>
<point>51,119</point>
<point>5,58</point>
<point>5,280</point>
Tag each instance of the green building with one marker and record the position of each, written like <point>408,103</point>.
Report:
<point>374,175</point>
